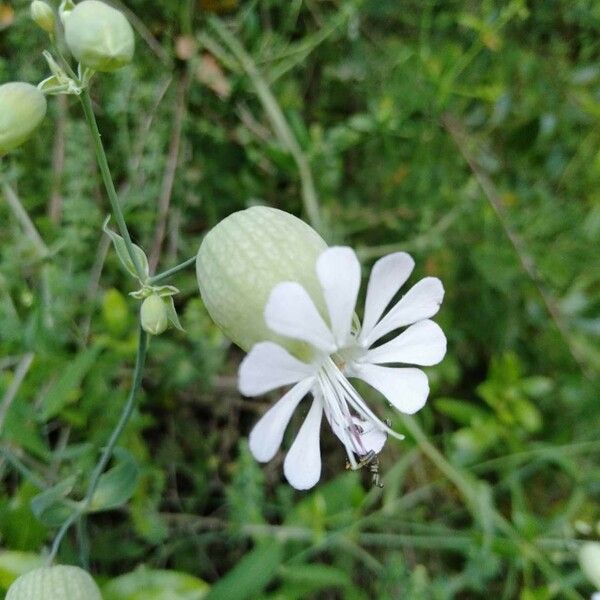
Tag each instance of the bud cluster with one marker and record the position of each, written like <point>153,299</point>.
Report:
<point>96,34</point>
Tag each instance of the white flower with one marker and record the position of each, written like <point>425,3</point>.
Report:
<point>341,349</point>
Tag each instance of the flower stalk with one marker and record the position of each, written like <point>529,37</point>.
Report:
<point>108,450</point>
<point>111,192</point>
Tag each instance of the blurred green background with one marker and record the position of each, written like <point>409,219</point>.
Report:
<point>464,132</point>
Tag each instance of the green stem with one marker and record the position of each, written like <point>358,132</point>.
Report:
<point>166,274</point>
<point>109,448</point>
<point>108,181</point>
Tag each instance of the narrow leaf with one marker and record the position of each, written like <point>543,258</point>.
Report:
<point>49,507</point>
<point>65,387</point>
<point>251,575</point>
<point>172,313</point>
<point>117,485</point>
<point>121,248</point>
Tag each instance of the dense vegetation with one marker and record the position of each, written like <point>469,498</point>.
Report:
<point>466,133</point>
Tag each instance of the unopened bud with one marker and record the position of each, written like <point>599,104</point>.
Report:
<point>154,315</point>
<point>243,257</point>
<point>99,36</point>
<point>43,15</point>
<point>54,583</point>
<point>22,109</point>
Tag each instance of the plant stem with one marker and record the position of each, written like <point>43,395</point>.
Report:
<point>109,448</point>
<point>172,270</point>
<point>108,181</point>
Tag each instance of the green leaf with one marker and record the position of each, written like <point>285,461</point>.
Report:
<point>121,248</point>
<point>64,388</point>
<point>172,313</point>
<point>251,575</point>
<point>316,577</point>
<point>149,584</point>
<point>461,411</point>
<point>117,485</point>
<point>49,507</point>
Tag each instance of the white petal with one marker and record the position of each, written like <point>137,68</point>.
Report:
<point>423,343</point>
<point>338,270</point>
<point>291,312</point>
<point>422,301</point>
<point>268,366</point>
<point>266,436</point>
<point>406,389</point>
<point>388,275</point>
<point>372,438</point>
<point>302,466</point>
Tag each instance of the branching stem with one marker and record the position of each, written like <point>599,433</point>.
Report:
<point>166,274</point>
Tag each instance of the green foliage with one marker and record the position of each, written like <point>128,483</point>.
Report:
<point>463,133</point>
<point>155,584</point>
<point>117,485</point>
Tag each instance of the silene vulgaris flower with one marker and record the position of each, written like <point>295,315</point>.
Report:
<point>339,348</point>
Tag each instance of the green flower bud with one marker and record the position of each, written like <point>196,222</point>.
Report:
<point>99,36</point>
<point>43,15</point>
<point>589,559</point>
<point>54,583</point>
<point>243,258</point>
<point>22,109</point>
<point>154,315</point>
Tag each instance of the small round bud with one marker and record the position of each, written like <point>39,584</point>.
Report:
<point>99,36</point>
<point>22,109</point>
<point>43,15</point>
<point>243,257</point>
<point>589,559</point>
<point>153,315</point>
<point>54,583</point>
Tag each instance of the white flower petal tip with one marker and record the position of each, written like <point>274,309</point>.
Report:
<point>291,312</point>
<point>338,271</point>
<point>302,465</point>
<point>423,343</point>
<point>267,435</point>
<point>388,275</point>
<point>421,302</point>
<point>269,366</point>
<point>406,389</point>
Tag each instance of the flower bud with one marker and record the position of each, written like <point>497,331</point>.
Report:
<point>243,257</point>
<point>99,36</point>
<point>154,315</point>
<point>43,15</point>
<point>22,109</point>
<point>54,583</point>
<point>589,559</point>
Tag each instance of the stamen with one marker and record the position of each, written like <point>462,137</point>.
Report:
<point>333,402</point>
<point>358,403</point>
